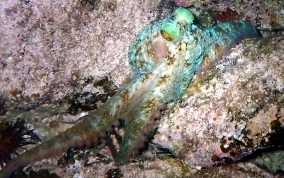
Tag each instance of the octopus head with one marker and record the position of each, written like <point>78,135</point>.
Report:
<point>152,46</point>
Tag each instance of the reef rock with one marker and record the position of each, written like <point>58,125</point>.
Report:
<point>232,111</point>
<point>264,14</point>
<point>55,50</point>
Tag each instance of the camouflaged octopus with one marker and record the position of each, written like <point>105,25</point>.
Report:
<point>164,58</point>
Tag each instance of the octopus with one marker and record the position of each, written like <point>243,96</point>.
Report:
<point>164,58</point>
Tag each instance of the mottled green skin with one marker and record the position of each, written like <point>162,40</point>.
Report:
<point>138,102</point>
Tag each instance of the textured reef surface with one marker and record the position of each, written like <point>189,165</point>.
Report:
<point>59,61</point>
<point>264,14</point>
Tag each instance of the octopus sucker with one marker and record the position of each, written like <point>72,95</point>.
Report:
<point>163,58</point>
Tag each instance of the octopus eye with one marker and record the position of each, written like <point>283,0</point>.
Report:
<point>166,35</point>
<point>184,16</point>
<point>169,31</point>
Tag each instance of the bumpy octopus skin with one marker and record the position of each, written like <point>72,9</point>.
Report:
<point>164,59</point>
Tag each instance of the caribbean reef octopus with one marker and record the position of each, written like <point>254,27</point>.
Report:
<point>164,58</point>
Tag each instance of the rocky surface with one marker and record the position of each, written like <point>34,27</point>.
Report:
<point>58,51</point>
<point>266,15</point>
<point>231,111</point>
<point>52,49</point>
